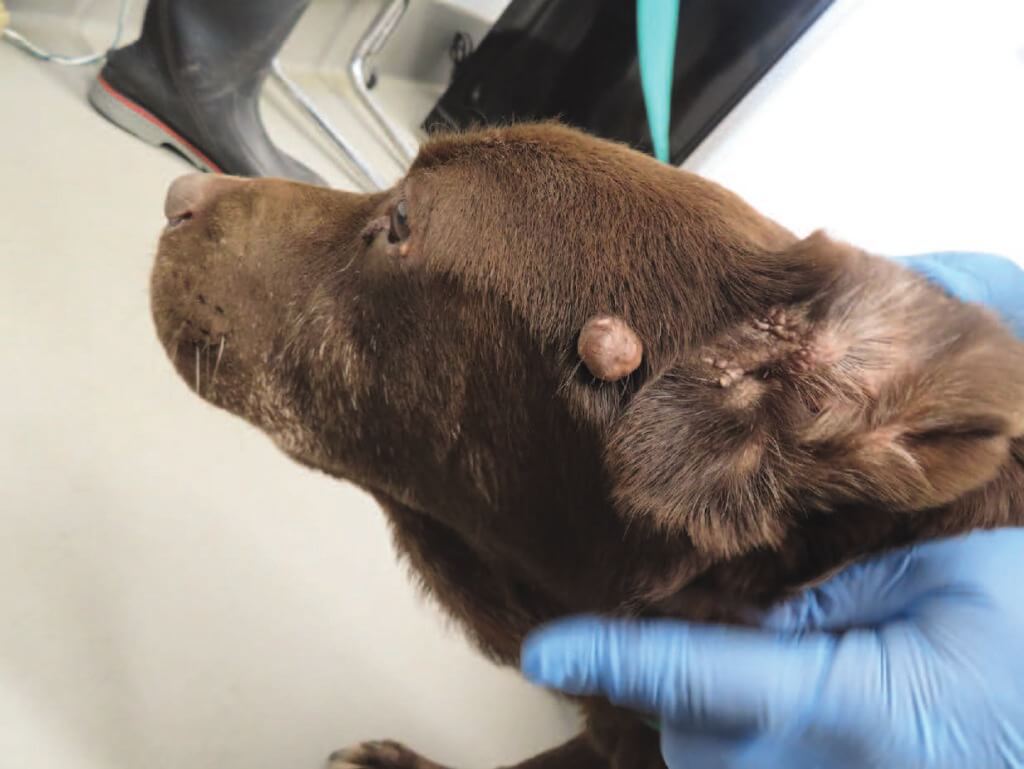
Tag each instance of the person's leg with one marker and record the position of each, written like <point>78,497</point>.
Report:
<point>193,80</point>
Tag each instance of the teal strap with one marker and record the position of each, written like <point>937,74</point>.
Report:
<point>656,24</point>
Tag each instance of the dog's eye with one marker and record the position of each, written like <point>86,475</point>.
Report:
<point>398,229</point>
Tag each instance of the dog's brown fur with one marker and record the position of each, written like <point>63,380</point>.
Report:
<point>799,403</point>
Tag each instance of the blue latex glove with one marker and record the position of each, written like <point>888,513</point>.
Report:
<point>914,659</point>
<point>930,676</point>
<point>982,278</point>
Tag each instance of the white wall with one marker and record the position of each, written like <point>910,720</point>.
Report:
<point>897,124</point>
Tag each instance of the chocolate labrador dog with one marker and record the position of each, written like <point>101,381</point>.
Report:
<point>578,380</point>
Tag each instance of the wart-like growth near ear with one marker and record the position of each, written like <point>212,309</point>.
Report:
<point>609,348</point>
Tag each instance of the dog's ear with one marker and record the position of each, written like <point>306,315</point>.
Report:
<point>701,449</point>
<point>689,457</point>
<point>878,389</point>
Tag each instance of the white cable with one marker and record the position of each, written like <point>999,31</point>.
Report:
<point>71,61</point>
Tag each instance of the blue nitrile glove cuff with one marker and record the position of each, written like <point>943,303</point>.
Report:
<point>995,281</point>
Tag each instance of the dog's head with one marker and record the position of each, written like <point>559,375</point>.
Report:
<point>471,342</point>
<point>425,342</point>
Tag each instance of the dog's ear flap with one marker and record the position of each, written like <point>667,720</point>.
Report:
<point>877,390</point>
<point>681,460</point>
<point>699,454</point>
<point>758,281</point>
<point>732,464</point>
<point>935,432</point>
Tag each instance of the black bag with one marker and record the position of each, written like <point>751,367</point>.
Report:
<point>576,60</point>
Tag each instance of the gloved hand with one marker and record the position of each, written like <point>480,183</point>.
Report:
<point>914,659</point>
<point>982,278</point>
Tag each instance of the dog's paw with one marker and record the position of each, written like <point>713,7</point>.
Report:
<point>380,754</point>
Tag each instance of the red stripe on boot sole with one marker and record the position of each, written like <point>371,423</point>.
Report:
<point>149,117</point>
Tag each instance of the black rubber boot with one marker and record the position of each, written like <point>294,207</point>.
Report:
<point>193,80</point>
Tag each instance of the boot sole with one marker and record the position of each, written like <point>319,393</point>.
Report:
<point>143,124</point>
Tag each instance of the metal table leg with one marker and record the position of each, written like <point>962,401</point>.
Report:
<point>363,78</point>
<point>301,98</point>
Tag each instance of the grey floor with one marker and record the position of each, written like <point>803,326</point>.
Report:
<point>175,593</point>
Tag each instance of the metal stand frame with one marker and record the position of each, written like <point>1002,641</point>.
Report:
<point>363,79</point>
<point>301,98</point>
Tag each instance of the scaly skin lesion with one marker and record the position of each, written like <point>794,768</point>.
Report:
<point>781,339</point>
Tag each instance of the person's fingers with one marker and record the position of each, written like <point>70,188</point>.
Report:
<point>888,587</point>
<point>950,271</point>
<point>696,750</point>
<point>693,750</point>
<point>861,595</point>
<point>716,678</point>
<point>995,281</point>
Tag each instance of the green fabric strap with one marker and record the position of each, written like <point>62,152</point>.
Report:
<point>656,24</point>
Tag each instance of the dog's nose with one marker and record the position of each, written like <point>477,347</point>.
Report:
<point>189,194</point>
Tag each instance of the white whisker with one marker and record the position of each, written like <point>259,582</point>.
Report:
<point>220,354</point>
<point>172,343</point>
<point>348,264</point>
